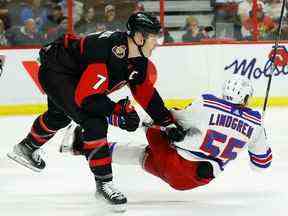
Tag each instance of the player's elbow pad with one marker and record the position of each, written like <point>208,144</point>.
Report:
<point>98,105</point>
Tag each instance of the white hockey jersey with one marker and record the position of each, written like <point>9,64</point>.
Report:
<point>218,131</point>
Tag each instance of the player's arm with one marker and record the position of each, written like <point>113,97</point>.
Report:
<point>189,116</point>
<point>259,151</point>
<point>148,97</point>
<point>91,97</point>
<point>120,114</point>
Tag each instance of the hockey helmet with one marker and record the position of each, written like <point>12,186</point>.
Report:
<point>237,90</point>
<point>144,23</point>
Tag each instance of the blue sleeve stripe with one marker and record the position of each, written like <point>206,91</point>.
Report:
<point>261,155</point>
<point>261,165</point>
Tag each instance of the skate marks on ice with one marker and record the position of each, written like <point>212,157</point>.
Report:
<point>83,204</point>
<point>206,203</point>
<point>62,204</point>
<point>66,188</point>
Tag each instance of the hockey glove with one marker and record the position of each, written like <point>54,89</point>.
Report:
<point>175,133</point>
<point>128,118</point>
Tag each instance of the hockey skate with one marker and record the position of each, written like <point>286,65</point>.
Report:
<point>24,155</point>
<point>71,140</point>
<point>111,196</point>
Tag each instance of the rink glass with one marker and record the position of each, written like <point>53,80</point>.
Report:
<point>36,22</point>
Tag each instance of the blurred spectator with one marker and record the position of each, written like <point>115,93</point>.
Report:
<point>265,25</point>
<point>100,27</point>
<point>25,35</point>
<point>226,9</point>
<point>4,13</point>
<point>167,37</point>
<point>273,9</point>
<point>87,24</point>
<point>245,7</point>
<point>54,19</point>
<point>284,30</point>
<point>56,32</point>
<point>3,39</point>
<point>77,9</point>
<point>112,24</point>
<point>35,11</point>
<point>193,31</point>
<point>139,7</point>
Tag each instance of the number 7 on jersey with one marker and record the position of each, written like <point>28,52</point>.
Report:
<point>101,80</point>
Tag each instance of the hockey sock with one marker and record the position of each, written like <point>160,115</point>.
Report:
<point>40,133</point>
<point>96,148</point>
<point>98,155</point>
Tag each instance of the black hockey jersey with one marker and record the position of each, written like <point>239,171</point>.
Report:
<point>100,60</point>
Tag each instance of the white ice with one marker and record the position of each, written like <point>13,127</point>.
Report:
<point>66,187</point>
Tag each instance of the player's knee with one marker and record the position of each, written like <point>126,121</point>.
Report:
<point>95,128</point>
<point>205,170</point>
<point>56,120</point>
<point>97,105</point>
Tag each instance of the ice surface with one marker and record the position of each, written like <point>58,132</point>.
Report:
<point>66,187</point>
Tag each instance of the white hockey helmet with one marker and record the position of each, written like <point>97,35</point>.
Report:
<point>237,90</point>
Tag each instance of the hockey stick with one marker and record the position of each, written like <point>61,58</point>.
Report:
<point>151,125</point>
<point>278,36</point>
<point>2,60</point>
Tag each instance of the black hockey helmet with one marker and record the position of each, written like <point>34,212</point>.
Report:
<point>144,23</point>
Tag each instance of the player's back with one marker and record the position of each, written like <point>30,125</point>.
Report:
<point>76,53</point>
<point>218,130</point>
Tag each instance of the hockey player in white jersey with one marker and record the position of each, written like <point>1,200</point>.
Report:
<point>218,129</point>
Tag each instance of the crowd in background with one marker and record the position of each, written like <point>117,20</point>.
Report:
<point>31,22</point>
<point>242,18</point>
<point>34,22</point>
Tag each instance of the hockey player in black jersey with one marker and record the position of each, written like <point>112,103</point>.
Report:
<point>77,74</point>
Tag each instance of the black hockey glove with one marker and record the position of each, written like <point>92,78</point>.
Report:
<point>175,133</point>
<point>128,118</point>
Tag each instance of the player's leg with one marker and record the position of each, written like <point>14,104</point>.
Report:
<point>43,129</point>
<point>96,150</point>
<point>93,138</point>
<point>127,154</point>
<point>156,154</point>
<point>56,83</point>
<point>163,161</point>
<point>122,153</point>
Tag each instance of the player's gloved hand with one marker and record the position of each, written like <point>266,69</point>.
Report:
<point>128,117</point>
<point>175,132</point>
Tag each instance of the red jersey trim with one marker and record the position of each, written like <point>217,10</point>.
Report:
<point>144,92</point>
<point>94,80</point>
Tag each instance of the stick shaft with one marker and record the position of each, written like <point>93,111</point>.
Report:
<point>278,37</point>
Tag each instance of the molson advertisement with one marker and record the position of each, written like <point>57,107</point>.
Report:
<point>184,72</point>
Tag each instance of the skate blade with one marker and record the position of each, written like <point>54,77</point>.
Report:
<point>21,161</point>
<point>120,208</point>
